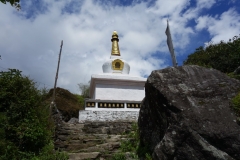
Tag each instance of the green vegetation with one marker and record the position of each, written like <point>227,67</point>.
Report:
<point>80,99</point>
<point>65,98</point>
<point>224,56</point>
<point>84,89</point>
<point>236,106</point>
<point>131,145</point>
<point>26,127</point>
<point>232,75</point>
<point>119,156</point>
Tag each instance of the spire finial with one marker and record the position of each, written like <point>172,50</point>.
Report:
<point>115,47</point>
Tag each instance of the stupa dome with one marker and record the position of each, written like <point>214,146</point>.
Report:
<point>116,64</point>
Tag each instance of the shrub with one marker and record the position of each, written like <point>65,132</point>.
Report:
<point>223,56</point>
<point>80,100</point>
<point>132,145</point>
<point>119,156</point>
<point>26,127</point>
<point>236,105</point>
<point>232,75</point>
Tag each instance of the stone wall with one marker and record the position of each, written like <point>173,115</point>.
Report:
<point>105,116</point>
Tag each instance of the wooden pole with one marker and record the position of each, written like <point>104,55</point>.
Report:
<point>55,84</point>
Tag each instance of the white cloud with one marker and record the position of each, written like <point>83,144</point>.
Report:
<point>222,27</point>
<point>165,8</point>
<point>202,22</point>
<point>32,44</point>
<point>205,3</point>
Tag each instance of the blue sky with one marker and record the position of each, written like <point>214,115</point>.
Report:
<point>30,38</point>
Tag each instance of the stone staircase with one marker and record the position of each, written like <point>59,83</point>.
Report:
<point>91,140</point>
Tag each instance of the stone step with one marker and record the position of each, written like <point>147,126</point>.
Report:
<point>82,137</point>
<point>92,145</point>
<point>71,127</point>
<point>98,155</point>
<point>67,132</point>
<point>83,156</point>
<point>91,140</point>
<point>87,141</point>
<point>111,146</point>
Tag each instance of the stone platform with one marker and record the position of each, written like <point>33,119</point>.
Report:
<point>107,116</point>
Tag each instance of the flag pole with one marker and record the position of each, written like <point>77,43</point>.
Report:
<point>170,45</point>
<point>55,84</point>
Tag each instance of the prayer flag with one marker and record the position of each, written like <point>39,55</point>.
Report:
<point>170,45</point>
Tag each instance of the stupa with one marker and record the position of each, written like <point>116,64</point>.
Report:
<point>115,89</point>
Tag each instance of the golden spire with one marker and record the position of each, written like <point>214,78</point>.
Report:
<point>115,47</point>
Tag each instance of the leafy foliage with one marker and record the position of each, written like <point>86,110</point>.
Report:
<point>80,99</point>
<point>233,75</point>
<point>84,89</point>
<point>14,3</point>
<point>119,156</point>
<point>26,126</point>
<point>132,145</point>
<point>236,106</point>
<point>224,56</point>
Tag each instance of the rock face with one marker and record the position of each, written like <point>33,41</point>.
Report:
<point>186,115</point>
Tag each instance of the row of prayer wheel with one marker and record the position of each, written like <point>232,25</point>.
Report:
<point>113,105</point>
<point>133,105</point>
<point>110,105</point>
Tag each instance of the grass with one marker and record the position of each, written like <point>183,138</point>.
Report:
<point>236,106</point>
<point>131,145</point>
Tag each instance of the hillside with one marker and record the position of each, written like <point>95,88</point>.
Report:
<point>67,103</point>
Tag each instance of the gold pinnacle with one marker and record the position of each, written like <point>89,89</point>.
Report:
<point>115,47</point>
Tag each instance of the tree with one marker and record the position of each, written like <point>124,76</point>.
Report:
<point>224,56</point>
<point>84,89</point>
<point>14,3</point>
<point>25,126</point>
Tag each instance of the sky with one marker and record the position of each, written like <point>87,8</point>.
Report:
<point>30,38</point>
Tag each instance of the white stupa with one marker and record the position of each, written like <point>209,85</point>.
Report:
<point>115,89</point>
<point>114,94</point>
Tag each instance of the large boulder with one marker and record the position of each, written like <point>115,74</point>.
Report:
<point>186,115</point>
